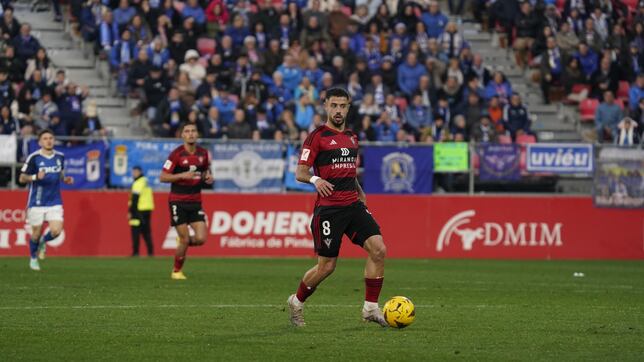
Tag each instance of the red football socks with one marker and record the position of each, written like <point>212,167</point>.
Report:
<point>372,291</point>
<point>178,263</point>
<point>304,292</point>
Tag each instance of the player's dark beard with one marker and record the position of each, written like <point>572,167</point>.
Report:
<point>337,122</point>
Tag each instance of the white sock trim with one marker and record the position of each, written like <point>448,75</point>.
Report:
<point>297,301</point>
<point>370,305</point>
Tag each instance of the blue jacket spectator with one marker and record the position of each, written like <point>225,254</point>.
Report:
<point>588,60</point>
<point>107,32</point>
<point>417,115</point>
<point>434,21</point>
<point>123,52</point>
<point>158,55</point>
<point>386,130</point>
<point>58,125</point>
<point>25,44</point>
<point>291,73</point>
<point>515,117</point>
<point>371,54</point>
<point>192,9</point>
<point>607,116</point>
<point>226,107</point>
<point>7,94</point>
<point>357,41</point>
<point>237,31</point>
<point>636,92</point>
<point>304,113</point>
<point>123,14</point>
<point>409,74</point>
<point>498,87</point>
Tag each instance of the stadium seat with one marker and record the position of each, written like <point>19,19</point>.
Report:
<point>622,91</point>
<point>206,46</point>
<point>505,139</point>
<point>587,109</point>
<point>525,139</point>
<point>632,4</point>
<point>560,5</point>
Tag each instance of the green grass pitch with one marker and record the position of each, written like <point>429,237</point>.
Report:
<point>234,309</point>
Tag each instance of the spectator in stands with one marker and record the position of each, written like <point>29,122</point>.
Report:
<point>386,129</point>
<point>158,53</point>
<point>13,64</point>
<point>590,36</point>
<point>394,111</point>
<point>572,75</point>
<point>8,123</point>
<point>140,31</point>
<point>434,20</point>
<point>25,44</point>
<point>605,78</point>
<point>43,110</point>
<point>108,33</point>
<point>123,14</point>
<point>226,106</point>
<point>58,125</point>
<point>367,132</point>
<point>498,87</point>
<point>607,116</point>
<point>409,74</point>
<point>304,112</point>
<point>238,31</point>
<point>213,124</point>
<point>551,68</point>
<point>439,131</point>
<point>90,19</point>
<point>171,112</point>
<point>567,40</point>
<point>36,84</point>
<point>452,92</point>
<point>156,87</point>
<point>526,24</point>
<point>516,119</point>
<point>239,128</point>
<point>196,72</point>
<point>472,110</point>
<point>70,104</point>
<point>23,107</point>
<point>451,41</point>
<point>280,91</point>
<point>138,71</point>
<point>192,9</point>
<point>9,25</point>
<point>628,134</point>
<point>6,90</point>
<point>632,62</point>
<point>91,123</point>
<point>418,117</point>
<point>41,62</point>
<point>123,52</point>
<point>483,131</point>
<point>217,17</point>
<point>291,72</point>
<point>459,129</point>
<point>479,70</point>
<point>636,92</point>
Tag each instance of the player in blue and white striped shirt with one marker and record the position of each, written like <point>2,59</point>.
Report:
<point>43,171</point>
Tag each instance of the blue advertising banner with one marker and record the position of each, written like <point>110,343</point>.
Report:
<point>85,163</point>
<point>499,162</point>
<point>292,157</point>
<point>248,167</point>
<point>398,170</point>
<point>560,158</point>
<point>150,155</point>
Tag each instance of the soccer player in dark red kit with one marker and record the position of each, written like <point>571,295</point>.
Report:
<point>187,168</point>
<point>340,208</point>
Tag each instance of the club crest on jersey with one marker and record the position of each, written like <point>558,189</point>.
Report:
<point>398,172</point>
<point>333,142</point>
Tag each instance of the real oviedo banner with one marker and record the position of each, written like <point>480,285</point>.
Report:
<point>248,166</point>
<point>149,155</point>
<point>560,158</point>
<point>412,226</point>
<point>398,170</point>
<point>85,163</point>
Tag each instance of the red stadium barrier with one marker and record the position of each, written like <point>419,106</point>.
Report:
<point>413,227</point>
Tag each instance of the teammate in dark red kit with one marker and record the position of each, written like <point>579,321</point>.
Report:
<point>187,168</point>
<point>340,208</point>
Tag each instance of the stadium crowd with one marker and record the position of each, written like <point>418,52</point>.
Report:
<point>258,70</point>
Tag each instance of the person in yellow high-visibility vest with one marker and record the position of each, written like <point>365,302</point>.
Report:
<point>141,204</point>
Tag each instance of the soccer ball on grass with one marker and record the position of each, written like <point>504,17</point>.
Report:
<point>399,312</point>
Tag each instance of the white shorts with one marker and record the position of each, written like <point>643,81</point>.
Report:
<point>39,214</point>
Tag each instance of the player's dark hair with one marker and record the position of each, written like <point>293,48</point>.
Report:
<point>44,131</point>
<point>336,92</point>
<point>138,168</point>
<point>185,124</point>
